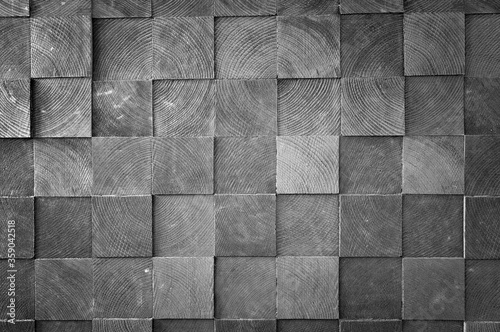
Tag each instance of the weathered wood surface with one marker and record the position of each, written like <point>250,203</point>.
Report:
<point>16,167</point>
<point>307,7</point>
<point>15,56</point>
<point>482,97</point>
<point>373,326</point>
<point>24,289</point>
<point>57,8</point>
<point>245,7</point>
<point>183,325</point>
<point>179,8</point>
<point>9,8</point>
<point>482,6</point>
<point>122,325</point>
<point>482,293</point>
<point>20,326</point>
<point>482,165</point>
<point>482,230</point>
<point>433,326</point>
<point>21,211</point>
<point>482,46</point>
<point>371,6</point>
<point>123,8</point>
<point>15,109</point>
<point>483,326</point>
<point>63,326</point>
<point>245,325</point>
<point>432,6</point>
<point>316,325</point>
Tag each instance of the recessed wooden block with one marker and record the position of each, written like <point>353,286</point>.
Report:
<point>245,47</point>
<point>123,49</point>
<point>63,326</point>
<point>57,8</point>
<point>370,288</point>
<point>307,225</point>
<point>19,326</point>
<point>373,106</point>
<point>63,167</point>
<point>122,108</point>
<point>482,239</point>
<point>483,326</point>
<point>433,165</point>
<point>183,287</point>
<point>316,325</point>
<point>62,107</point>
<point>434,6</point>
<point>482,165</point>
<point>15,108</point>
<point>434,289</point>
<point>16,167</point>
<point>23,285</point>
<point>245,325</point>
<point>122,226</point>
<point>434,44</point>
<point>15,57</point>
<point>245,7</point>
<point>9,8</point>
<point>367,6</point>
<point>19,213</point>
<point>432,226</point>
<point>176,8</point>
<point>246,108</point>
<point>307,7</point>
<point>122,166</point>
<point>64,289</point>
<point>309,46</point>
<point>482,6</point>
<point>112,325</point>
<point>115,9</point>
<point>483,32</point>
<point>245,287</point>
<point>123,288</point>
<point>373,326</point>
<point>308,165</point>
<point>183,325</point>
<point>433,326</point>
<point>482,295</point>
<point>482,97</point>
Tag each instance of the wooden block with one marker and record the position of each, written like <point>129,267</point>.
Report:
<point>375,7</point>
<point>370,165</point>
<point>245,47</point>
<point>482,240</point>
<point>372,326</point>
<point>24,288</point>
<point>434,44</point>
<point>16,167</point>
<point>245,165</point>
<point>183,165</point>
<point>483,326</point>
<point>63,227</point>
<point>123,288</point>
<point>115,9</point>
<point>307,225</point>
<point>307,7</point>
<point>111,325</point>
<point>19,8</point>
<point>63,167</point>
<point>308,165</point>
<point>432,226</point>
<point>433,165</point>
<point>433,289</point>
<point>62,107</point>
<point>15,108</point>
<point>309,46</point>
<point>246,108</point>
<point>183,47</point>
<point>481,291</point>
<point>245,7</point>
<point>15,57</point>
<point>318,325</point>
<point>63,326</point>
<point>433,326</point>
<point>64,289</point>
<point>482,117</point>
<point>19,326</point>
<point>122,108</point>
<point>482,165</point>
<point>183,287</point>
<point>122,166</point>
<point>123,49</point>
<point>412,6</point>
<point>183,325</point>
<point>21,211</point>
<point>56,8</point>
<point>482,6</point>
<point>122,226</point>
<point>373,106</point>
<point>176,8</point>
<point>245,287</point>
<point>482,60</point>
<point>245,225</point>
<point>245,325</point>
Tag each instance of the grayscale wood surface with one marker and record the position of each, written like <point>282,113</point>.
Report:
<point>123,8</point>
<point>482,294</point>
<point>124,325</point>
<point>482,46</point>
<point>482,165</point>
<point>183,325</point>
<point>245,325</point>
<point>64,326</point>
<point>15,56</point>
<point>25,289</point>
<point>316,325</point>
<point>371,6</point>
<point>15,108</point>
<point>245,7</point>
<point>14,8</point>
<point>307,7</point>
<point>372,326</point>
<point>481,228</point>
<point>16,167</point>
<point>21,211</point>
<point>180,8</point>
<point>434,6</point>
<point>57,8</point>
<point>482,97</point>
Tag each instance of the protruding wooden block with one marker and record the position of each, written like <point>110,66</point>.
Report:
<point>15,108</point>
<point>482,165</point>
<point>373,326</point>
<point>245,287</point>
<point>183,47</point>
<point>482,59</point>
<point>246,108</point>
<point>308,165</point>
<point>307,225</point>
<point>482,97</point>
<point>373,106</point>
<point>482,238</point>
<point>57,8</point>
<point>111,325</point>
<point>183,287</point>
<point>19,326</point>
<point>309,46</point>
<point>245,325</point>
<point>16,167</point>
<point>64,289</point>
<point>317,325</point>
<point>122,108</point>
<point>123,49</point>
<point>122,166</point>
<point>431,6</point>
<point>433,289</point>
<point>433,165</point>
<point>122,226</point>
<point>368,7</point>
<point>433,326</point>
<point>482,326</point>
<point>62,107</point>
<point>183,325</point>
<point>245,47</point>
<point>14,9</point>
<point>63,167</point>
<point>178,8</point>
<point>122,9</point>
<point>482,6</point>
<point>20,210</point>
<point>64,326</point>
<point>307,7</point>
<point>15,56</point>
<point>370,288</point>
<point>24,288</point>
<point>482,298</point>
<point>432,226</point>
<point>123,288</point>
<point>245,7</point>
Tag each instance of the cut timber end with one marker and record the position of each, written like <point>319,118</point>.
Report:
<point>15,109</point>
<point>482,296</point>
<point>482,45</point>
<point>245,7</point>
<point>122,8</point>
<point>371,6</point>
<point>245,325</point>
<point>307,7</point>
<point>15,48</point>
<point>182,8</point>
<point>432,6</point>
<point>482,239</point>
<point>126,325</point>
<point>16,167</point>
<point>21,210</point>
<point>482,165</point>
<point>58,8</point>
<point>482,97</point>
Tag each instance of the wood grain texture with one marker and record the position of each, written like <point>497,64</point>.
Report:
<point>245,325</point>
<point>175,8</point>
<point>16,167</point>
<point>63,167</point>
<point>433,165</point>
<point>123,49</point>
<point>307,225</point>
<point>482,165</point>
<point>317,325</point>
<point>183,47</point>
<point>433,289</point>
<point>63,326</point>
<point>245,47</point>
<point>9,8</point>
<point>309,47</point>
<point>367,7</point>
<point>245,287</point>
<point>370,288</point>
<point>183,287</point>
<point>20,326</point>
<point>63,289</point>
<point>21,210</point>
<point>24,289</point>
<point>115,9</point>
<point>482,6</point>
<point>63,227</point>
<point>434,44</point>
<point>373,326</point>
<point>245,7</point>
<point>184,226</point>
<point>307,7</point>
<point>122,108</point>
<point>62,107</point>
<point>432,226</point>
<point>15,109</point>
<point>183,325</point>
<point>483,326</point>
<point>433,326</point>
<point>482,95</point>
<point>184,108</point>
<point>246,108</point>
<point>308,165</point>
<point>123,288</point>
<point>373,106</point>
<point>122,226</point>
<point>482,46</point>
<point>57,8</point>
<point>482,240</point>
<point>15,56</point>
<point>121,166</point>
<point>308,287</point>
<point>481,292</point>
<point>122,325</point>
<point>431,6</point>
<point>434,105</point>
